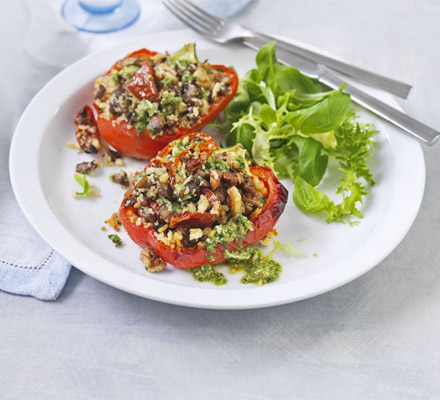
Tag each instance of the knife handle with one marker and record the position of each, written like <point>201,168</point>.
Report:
<point>410,125</point>
<point>361,75</point>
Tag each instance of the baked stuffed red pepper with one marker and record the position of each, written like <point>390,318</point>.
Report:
<point>148,99</point>
<point>194,200</point>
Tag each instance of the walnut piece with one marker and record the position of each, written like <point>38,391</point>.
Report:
<point>214,180</point>
<point>152,262</point>
<point>121,178</point>
<point>235,201</point>
<point>87,167</point>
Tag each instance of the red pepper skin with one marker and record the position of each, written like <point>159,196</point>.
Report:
<point>124,137</point>
<point>197,219</point>
<point>206,145</point>
<point>143,54</point>
<point>142,84</point>
<point>192,220</point>
<point>198,256</point>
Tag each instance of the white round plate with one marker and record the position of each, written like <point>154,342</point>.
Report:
<point>42,169</point>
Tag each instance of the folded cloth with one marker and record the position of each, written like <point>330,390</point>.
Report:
<point>28,266</point>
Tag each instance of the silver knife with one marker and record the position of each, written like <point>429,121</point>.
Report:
<point>361,75</point>
<point>420,131</point>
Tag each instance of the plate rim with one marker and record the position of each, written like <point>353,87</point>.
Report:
<point>125,280</point>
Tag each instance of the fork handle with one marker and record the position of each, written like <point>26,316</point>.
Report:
<point>410,125</point>
<point>370,78</point>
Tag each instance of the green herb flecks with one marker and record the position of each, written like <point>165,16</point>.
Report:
<point>188,77</point>
<point>217,164</point>
<point>233,229</point>
<point>128,71</point>
<point>146,110</point>
<point>169,102</point>
<point>117,241</point>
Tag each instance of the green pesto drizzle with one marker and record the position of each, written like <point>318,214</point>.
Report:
<point>258,268</point>
<point>255,266</point>
<point>207,273</point>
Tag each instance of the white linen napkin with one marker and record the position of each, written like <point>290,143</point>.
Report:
<point>37,43</point>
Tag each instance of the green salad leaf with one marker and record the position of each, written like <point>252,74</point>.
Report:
<point>82,181</point>
<point>300,156</point>
<point>281,78</point>
<point>323,116</point>
<point>352,153</point>
<point>293,124</point>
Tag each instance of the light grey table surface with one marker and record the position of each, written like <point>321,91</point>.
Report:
<point>375,338</point>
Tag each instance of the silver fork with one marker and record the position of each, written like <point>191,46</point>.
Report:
<point>224,31</point>
<point>206,24</point>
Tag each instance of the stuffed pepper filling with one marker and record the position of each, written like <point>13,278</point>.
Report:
<point>161,93</point>
<point>195,194</point>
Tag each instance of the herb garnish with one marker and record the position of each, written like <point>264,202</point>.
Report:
<point>233,229</point>
<point>117,241</point>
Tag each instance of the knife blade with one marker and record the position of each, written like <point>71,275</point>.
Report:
<point>411,126</point>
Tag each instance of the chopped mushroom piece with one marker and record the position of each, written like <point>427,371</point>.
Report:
<point>112,157</point>
<point>152,262</point>
<point>87,167</point>
<point>157,123</point>
<point>121,178</point>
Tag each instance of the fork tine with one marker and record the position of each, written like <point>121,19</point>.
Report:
<point>202,13</point>
<point>190,24</point>
<point>190,16</point>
